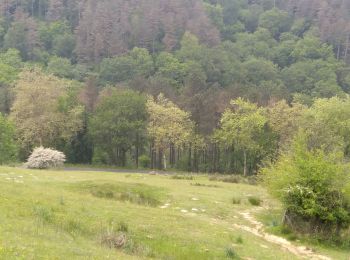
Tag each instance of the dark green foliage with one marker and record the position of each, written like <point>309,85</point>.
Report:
<point>255,201</point>
<point>123,227</point>
<point>182,177</point>
<point>231,253</point>
<point>144,161</point>
<point>8,148</point>
<point>239,240</point>
<point>236,200</point>
<point>133,193</point>
<point>118,125</point>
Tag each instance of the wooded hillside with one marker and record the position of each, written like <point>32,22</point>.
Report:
<point>199,55</point>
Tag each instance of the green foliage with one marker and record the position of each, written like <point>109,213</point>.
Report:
<point>182,177</point>
<point>133,193</point>
<point>60,67</point>
<point>231,253</point>
<point>119,124</point>
<point>137,63</point>
<point>16,38</point>
<point>313,188</point>
<point>44,109</point>
<point>315,78</point>
<point>236,200</point>
<point>144,161</point>
<point>255,201</point>
<point>241,126</point>
<point>276,21</point>
<point>170,67</point>
<point>239,240</point>
<point>327,125</point>
<point>8,147</point>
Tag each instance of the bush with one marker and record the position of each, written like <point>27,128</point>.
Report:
<point>314,188</point>
<point>236,200</point>
<point>44,158</point>
<point>144,161</point>
<point>255,201</point>
<point>231,253</point>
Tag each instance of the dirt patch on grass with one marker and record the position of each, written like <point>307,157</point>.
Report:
<point>257,229</point>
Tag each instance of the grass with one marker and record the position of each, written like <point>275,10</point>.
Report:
<point>101,215</point>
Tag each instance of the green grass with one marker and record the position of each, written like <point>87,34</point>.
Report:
<point>100,215</point>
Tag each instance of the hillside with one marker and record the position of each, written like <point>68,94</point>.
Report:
<point>74,215</point>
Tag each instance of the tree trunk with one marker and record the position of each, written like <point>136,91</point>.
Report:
<point>346,48</point>
<point>160,158</point>
<point>338,52</point>
<point>245,163</point>
<point>164,161</point>
<point>190,158</point>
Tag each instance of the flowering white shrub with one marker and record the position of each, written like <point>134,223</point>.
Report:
<point>43,158</point>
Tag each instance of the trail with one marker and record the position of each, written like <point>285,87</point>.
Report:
<point>258,230</point>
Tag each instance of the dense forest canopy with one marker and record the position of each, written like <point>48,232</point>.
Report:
<point>86,67</point>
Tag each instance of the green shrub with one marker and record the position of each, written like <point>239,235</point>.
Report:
<point>43,214</point>
<point>182,177</point>
<point>144,161</point>
<point>123,227</point>
<point>314,188</point>
<point>239,240</point>
<point>236,200</point>
<point>231,253</point>
<point>255,201</point>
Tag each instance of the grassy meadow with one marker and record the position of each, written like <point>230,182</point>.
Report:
<point>101,215</point>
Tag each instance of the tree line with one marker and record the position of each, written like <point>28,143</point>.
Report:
<point>127,128</point>
<point>199,71</point>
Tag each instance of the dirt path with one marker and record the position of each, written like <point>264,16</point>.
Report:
<point>257,229</point>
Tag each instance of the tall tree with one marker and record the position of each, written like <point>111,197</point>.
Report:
<point>43,111</point>
<point>168,127</point>
<point>241,125</point>
<point>119,124</point>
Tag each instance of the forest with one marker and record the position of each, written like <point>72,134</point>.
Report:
<point>210,86</point>
<point>255,89</point>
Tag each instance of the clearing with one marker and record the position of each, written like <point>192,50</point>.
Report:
<point>104,215</point>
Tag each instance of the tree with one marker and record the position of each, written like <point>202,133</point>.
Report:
<point>60,67</point>
<point>137,63</point>
<point>119,124</point>
<point>44,110</point>
<point>8,147</point>
<point>168,127</point>
<point>285,120</point>
<point>23,35</point>
<point>276,21</point>
<point>315,78</point>
<point>171,68</point>
<point>241,125</point>
<point>10,64</point>
<point>327,125</point>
